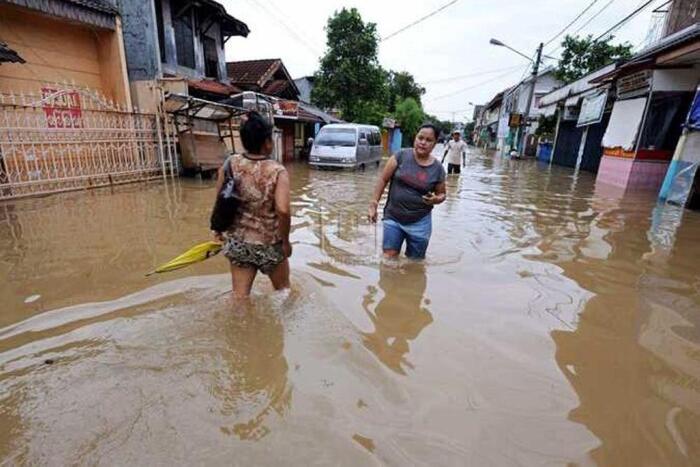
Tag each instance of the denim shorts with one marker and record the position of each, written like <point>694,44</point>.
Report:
<point>416,235</point>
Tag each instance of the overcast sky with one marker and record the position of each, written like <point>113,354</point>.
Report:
<point>451,44</point>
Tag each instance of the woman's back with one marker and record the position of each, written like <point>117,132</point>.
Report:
<point>255,182</point>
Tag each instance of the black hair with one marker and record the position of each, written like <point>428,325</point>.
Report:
<point>254,132</point>
<point>436,130</point>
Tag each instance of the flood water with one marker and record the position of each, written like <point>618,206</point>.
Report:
<point>551,324</point>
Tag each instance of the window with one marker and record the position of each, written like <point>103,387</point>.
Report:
<point>664,122</point>
<point>336,137</point>
<point>184,40</point>
<point>211,58</point>
<point>161,34</point>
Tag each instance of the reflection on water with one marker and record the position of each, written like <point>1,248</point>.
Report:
<point>253,347</point>
<point>551,324</point>
<point>399,317</point>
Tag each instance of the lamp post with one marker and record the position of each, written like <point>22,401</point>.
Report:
<point>535,70</point>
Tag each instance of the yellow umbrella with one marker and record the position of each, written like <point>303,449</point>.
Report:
<point>193,255</point>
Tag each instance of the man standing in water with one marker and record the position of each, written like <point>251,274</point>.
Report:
<point>457,149</point>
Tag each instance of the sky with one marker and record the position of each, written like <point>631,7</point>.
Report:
<point>448,53</point>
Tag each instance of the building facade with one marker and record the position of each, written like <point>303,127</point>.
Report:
<point>178,39</point>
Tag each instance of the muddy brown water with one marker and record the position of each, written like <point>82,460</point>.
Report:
<point>551,324</point>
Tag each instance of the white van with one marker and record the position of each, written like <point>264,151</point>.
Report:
<point>347,145</point>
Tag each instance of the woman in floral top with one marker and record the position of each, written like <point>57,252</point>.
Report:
<point>258,239</point>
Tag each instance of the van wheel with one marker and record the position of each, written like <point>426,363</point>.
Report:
<point>378,163</point>
<point>362,167</point>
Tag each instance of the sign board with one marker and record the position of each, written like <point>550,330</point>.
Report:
<point>570,113</point>
<point>515,120</point>
<point>636,84</point>
<point>61,108</point>
<point>592,109</point>
<point>286,108</point>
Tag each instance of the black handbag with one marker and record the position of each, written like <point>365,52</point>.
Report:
<point>226,205</point>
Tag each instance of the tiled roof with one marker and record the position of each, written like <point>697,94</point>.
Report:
<point>276,87</point>
<point>215,87</point>
<point>9,55</point>
<point>251,71</point>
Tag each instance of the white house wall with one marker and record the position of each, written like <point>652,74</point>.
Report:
<point>676,80</point>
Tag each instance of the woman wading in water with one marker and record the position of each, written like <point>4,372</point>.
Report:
<point>258,239</point>
<point>417,183</point>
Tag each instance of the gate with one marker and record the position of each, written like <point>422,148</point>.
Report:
<point>70,138</point>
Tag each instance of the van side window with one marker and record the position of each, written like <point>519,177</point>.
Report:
<point>376,137</point>
<point>363,135</point>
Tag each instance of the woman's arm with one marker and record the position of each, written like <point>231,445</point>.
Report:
<point>439,196</point>
<point>283,209</point>
<point>219,183</point>
<point>379,188</point>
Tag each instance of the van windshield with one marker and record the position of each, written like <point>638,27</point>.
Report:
<point>337,137</point>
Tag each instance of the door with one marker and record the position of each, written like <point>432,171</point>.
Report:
<point>594,150</point>
<point>568,144</point>
<point>376,148</point>
<point>363,147</point>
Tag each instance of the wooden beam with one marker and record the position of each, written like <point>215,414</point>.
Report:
<point>185,8</point>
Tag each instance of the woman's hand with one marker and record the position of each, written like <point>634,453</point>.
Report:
<point>287,248</point>
<point>218,237</point>
<point>432,199</point>
<point>372,213</point>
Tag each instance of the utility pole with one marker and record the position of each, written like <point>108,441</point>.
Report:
<point>526,116</point>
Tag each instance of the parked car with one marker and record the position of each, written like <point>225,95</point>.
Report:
<point>347,145</point>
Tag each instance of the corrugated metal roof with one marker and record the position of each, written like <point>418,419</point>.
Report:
<point>577,87</point>
<point>230,26</point>
<point>100,13</point>
<point>99,5</point>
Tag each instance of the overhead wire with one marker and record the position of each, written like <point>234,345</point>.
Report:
<point>469,75</point>
<point>553,38</point>
<point>289,29</point>
<point>459,91</point>
<point>419,20</point>
<point>626,19</point>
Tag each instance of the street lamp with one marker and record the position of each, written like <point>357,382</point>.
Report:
<point>535,70</point>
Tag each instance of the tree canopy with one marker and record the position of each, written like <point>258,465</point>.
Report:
<point>583,55</point>
<point>350,77</point>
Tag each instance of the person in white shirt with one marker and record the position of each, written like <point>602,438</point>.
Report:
<point>457,151</point>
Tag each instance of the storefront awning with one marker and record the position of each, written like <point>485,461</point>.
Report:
<point>625,120</point>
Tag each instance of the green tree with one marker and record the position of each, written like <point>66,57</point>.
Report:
<point>444,125</point>
<point>582,56</point>
<point>402,85</point>
<point>350,78</point>
<point>410,116</point>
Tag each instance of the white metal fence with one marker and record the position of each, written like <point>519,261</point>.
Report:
<point>71,138</point>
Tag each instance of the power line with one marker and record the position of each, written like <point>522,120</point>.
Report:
<point>459,91</point>
<point>590,5</point>
<point>470,75</point>
<point>291,31</point>
<point>624,20</point>
<point>420,20</point>
<point>605,7</point>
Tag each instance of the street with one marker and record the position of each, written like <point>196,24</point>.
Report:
<point>544,315</point>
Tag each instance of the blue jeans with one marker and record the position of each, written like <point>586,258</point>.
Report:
<point>416,235</point>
